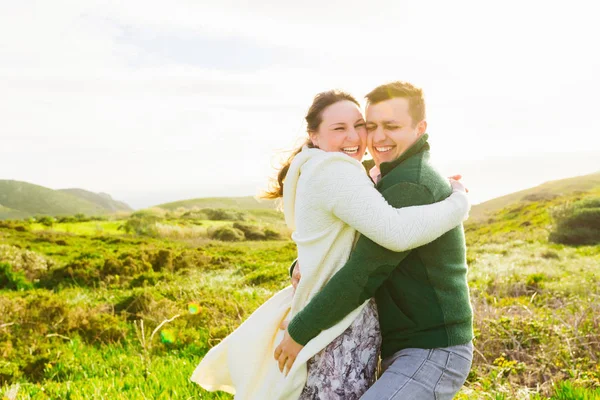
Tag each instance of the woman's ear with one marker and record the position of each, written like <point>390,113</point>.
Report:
<point>314,138</point>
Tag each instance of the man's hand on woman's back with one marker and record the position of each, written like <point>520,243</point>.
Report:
<point>457,184</point>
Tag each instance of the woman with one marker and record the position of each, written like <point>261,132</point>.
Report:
<point>327,197</point>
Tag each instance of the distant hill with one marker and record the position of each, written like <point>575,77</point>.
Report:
<point>21,199</point>
<point>545,191</point>
<point>9,213</point>
<point>241,203</point>
<point>104,200</point>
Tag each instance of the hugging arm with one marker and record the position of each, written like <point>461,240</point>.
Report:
<point>352,198</point>
<point>368,267</point>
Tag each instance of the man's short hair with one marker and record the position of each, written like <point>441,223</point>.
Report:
<point>414,95</point>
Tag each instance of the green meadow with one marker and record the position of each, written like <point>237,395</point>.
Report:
<point>125,307</point>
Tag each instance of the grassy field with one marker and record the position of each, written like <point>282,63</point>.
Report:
<point>546,190</point>
<point>247,203</point>
<point>82,228</point>
<point>81,308</point>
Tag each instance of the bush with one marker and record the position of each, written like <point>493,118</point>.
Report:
<point>578,224</point>
<point>142,224</point>
<point>125,266</point>
<point>81,272</point>
<point>12,280</point>
<point>251,232</point>
<point>228,234</point>
<point>66,219</point>
<point>46,220</point>
<point>220,214</point>
<point>270,234</point>
<point>163,260</point>
<point>31,264</point>
<point>102,328</point>
<point>148,279</point>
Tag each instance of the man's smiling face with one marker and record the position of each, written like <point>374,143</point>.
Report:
<point>391,130</point>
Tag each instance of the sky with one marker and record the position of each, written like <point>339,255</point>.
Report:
<point>155,101</point>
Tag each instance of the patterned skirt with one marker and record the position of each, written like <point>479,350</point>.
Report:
<point>347,367</point>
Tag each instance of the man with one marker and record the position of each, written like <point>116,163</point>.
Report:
<point>422,294</point>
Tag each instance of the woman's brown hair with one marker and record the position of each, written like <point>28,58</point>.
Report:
<point>313,120</point>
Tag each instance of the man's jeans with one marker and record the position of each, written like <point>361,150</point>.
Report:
<point>423,374</point>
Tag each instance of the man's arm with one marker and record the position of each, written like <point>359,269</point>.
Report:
<point>368,267</point>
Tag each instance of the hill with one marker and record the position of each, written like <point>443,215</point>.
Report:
<point>22,199</point>
<point>104,200</point>
<point>241,203</point>
<point>9,213</point>
<point>545,191</point>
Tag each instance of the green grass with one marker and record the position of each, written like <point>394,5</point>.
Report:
<point>83,228</point>
<point>548,190</point>
<point>244,203</point>
<point>536,304</point>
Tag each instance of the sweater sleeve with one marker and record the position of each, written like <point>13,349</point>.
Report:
<point>351,197</point>
<point>365,271</point>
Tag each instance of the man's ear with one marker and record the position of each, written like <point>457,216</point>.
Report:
<point>422,127</point>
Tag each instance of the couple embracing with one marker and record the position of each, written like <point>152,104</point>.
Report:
<point>382,266</point>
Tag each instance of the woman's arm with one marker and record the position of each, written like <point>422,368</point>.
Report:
<point>348,193</point>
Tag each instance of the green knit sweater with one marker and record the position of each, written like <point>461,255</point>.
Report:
<point>422,294</point>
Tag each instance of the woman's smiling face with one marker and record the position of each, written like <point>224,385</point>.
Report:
<point>342,129</point>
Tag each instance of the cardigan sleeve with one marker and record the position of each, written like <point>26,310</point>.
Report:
<point>349,194</point>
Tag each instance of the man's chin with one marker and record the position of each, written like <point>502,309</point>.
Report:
<point>391,156</point>
<point>385,159</point>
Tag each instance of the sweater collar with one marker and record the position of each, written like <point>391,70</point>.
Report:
<point>417,147</point>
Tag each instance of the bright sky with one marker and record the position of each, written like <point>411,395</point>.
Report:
<point>155,101</point>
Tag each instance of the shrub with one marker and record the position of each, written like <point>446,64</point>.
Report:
<point>46,220</point>
<point>251,232</point>
<point>125,266</point>
<point>578,224</point>
<point>66,219</point>
<point>12,280</point>
<point>188,259</point>
<point>549,254</point>
<point>81,217</point>
<point>228,234</point>
<point>271,234</point>
<point>137,303</point>
<point>82,272</point>
<point>142,224</point>
<point>103,328</point>
<point>31,264</point>
<point>163,260</point>
<point>148,279</point>
<point>220,214</point>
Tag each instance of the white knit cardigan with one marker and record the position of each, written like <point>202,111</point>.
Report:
<point>327,199</point>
